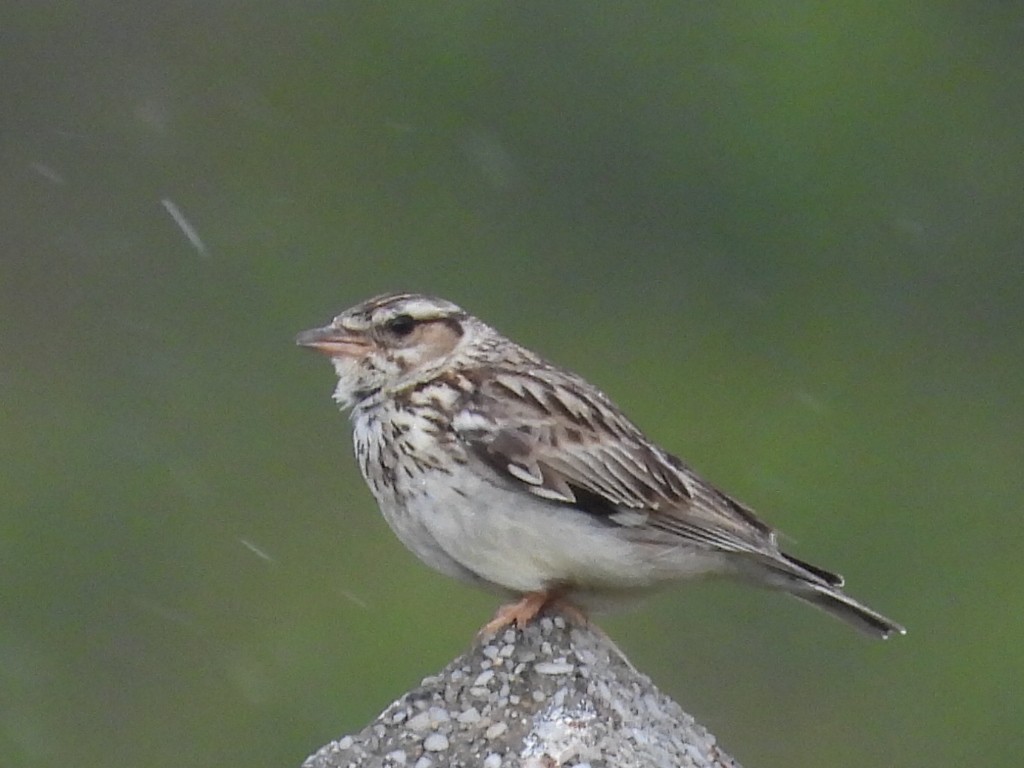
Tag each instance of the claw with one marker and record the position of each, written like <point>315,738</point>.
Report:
<point>527,608</point>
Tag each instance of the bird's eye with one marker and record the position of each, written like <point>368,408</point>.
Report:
<point>401,325</point>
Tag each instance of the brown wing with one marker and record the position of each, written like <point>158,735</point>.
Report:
<point>560,439</point>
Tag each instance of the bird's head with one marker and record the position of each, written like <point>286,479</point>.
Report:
<point>390,341</point>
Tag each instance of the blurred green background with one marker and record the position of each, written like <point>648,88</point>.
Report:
<point>787,238</point>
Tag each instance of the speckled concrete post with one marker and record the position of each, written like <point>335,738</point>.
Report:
<point>552,695</point>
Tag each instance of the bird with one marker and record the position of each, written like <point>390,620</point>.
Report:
<point>501,469</point>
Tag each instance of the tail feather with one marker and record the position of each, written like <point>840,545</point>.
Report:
<point>842,606</point>
<point>830,578</point>
<point>822,589</point>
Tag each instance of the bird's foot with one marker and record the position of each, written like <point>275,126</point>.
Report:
<point>527,608</point>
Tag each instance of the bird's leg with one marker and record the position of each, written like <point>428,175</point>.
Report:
<point>571,610</point>
<point>526,609</point>
<point>517,613</point>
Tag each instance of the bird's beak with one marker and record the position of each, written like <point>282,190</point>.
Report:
<point>332,341</point>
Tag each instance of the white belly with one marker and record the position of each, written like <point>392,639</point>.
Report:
<point>476,526</point>
<point>516,542</point>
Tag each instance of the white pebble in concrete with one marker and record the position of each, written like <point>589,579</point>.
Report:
<point>419,722</point>
<point>495,731</point>
<point>435,742</point>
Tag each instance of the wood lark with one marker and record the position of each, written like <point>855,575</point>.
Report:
<point>499,468</point>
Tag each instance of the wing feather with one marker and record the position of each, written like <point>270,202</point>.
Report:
<point>535,431</point>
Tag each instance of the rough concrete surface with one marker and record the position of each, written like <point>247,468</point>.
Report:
<point>551,695</point>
